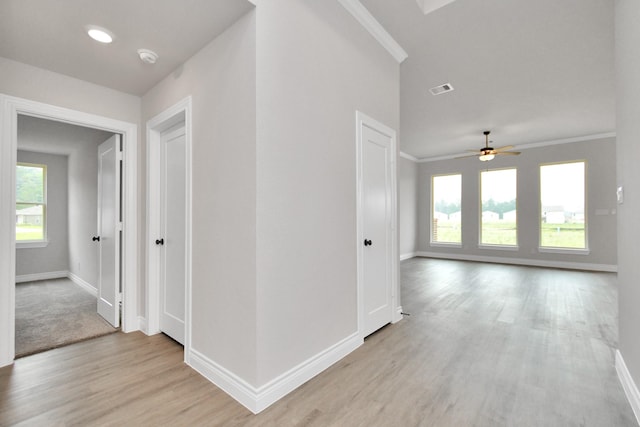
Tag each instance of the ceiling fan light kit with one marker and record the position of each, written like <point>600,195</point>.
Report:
<point>489,153</point>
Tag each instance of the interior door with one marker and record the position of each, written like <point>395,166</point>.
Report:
<point>172,241</point>
<point>376,223</point>
<point>108,237</point>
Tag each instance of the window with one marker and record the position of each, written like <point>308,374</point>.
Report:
<point>562,218</point>
<point>446,212</point>
<point>498,196</point>
<point>31,202</point>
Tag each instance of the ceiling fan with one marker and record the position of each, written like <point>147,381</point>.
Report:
<point>487,153</point>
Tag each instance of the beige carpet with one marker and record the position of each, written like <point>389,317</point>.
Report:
<point>53,313</point>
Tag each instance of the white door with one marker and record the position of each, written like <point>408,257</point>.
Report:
<point>376,229</point>
<point>172,241</point>
<point>108,237</point>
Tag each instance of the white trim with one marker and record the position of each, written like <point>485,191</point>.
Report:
<point>629,386</point>
<point>83,284</point>
<point>41,276</point>
<point>407,256</point>
<point>565,251</point>
<point>529,146</point>
<point>181,111</point>
<point>363,120</point>
<point>32,244</point>
<point>511,248</point>
<point>256,399</point>
<point>371,24</point>
<point>523,261</point>
<point>408,157</point>
<point>142,325</point>
<point>10,107</point>
<point>452,245</point>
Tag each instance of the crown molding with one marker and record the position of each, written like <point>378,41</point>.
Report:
<point>409,157</point>
<point>371,24</point>
<point>531,145</point>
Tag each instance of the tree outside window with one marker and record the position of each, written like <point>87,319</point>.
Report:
<point>30,202</point>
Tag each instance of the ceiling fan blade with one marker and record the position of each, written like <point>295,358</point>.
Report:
<point>510,153</point>
<point>506,147</point>
<point>472,151</point>
<point>468,155</point>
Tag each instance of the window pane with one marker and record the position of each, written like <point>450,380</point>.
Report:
<point>30,202</point>
<point>29,184</point>
<point>562,219</point>
<point>446,213</point>
<point>499,224</point>
<point>29,222</point>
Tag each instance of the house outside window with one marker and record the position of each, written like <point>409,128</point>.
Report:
<point>31,203</point>
<point>563,223</point>
<point>498,195</point>
<point>446,209</point>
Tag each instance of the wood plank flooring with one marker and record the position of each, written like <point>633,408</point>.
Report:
<point>485,345</point>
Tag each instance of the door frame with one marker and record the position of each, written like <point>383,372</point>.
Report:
<point>362,120</point>
<point>170,117</point>
<point>10,108</point>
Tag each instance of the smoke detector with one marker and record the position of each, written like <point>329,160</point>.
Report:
<point>147,56</point>
<point>443,88</point>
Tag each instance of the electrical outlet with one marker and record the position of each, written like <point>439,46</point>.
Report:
<point>620,195</point>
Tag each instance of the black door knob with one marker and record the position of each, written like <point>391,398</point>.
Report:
<point>367,242</point>
<point>96,238</point>
<point>160,242</point>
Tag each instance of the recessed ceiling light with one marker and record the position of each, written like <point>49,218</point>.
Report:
<point>99,34</point>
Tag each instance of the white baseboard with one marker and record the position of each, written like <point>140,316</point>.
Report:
<point>407,256</point>
<point>399,315</point>
<point>522,261</point>
<point>629,386</point>
<point>142,325</point>
<point>83,284</point>
<point>257,399</point>
<point>41,276</point>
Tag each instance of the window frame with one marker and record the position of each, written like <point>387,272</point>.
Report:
<point>557,249</point>
<point>495,246</point>
<point>40,243</point>
<point>431,212</point>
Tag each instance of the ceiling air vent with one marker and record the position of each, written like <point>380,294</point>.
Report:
<point>438,90</point>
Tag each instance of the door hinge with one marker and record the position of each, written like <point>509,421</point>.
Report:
<point>120,226</point>
<point>120,298</point>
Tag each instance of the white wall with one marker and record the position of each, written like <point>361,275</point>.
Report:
<point>55,256</point>
<point>600,156</point>
<point>628,135</point>
<point>221,80</point>
<point>315,67</point>
<point>36,84</point>
<point>408,206</point>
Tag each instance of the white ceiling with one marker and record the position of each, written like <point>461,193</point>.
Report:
<point>529,71</point>
<point>51,34</point>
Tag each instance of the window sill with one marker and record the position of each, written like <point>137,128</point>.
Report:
<point>445,245</point>
<point>499,247</point>
<point>31,245</point>
<point>566,251</point>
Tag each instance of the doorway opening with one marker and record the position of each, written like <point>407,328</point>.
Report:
<point>10,109</point>
<point>57,263</point>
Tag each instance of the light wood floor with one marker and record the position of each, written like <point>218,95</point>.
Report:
<point>485,345</point>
